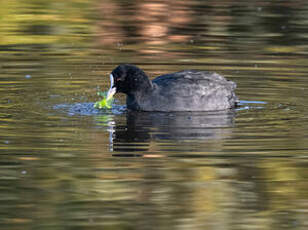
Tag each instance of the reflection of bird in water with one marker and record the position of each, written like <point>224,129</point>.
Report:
<point>144,126</point>
<point>188,90</point>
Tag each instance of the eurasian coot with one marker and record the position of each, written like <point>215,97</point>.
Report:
<point>188,90</point>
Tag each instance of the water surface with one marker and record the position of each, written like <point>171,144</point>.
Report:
<point>65,165</point>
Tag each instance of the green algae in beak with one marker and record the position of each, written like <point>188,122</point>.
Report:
<point>105,103</point>
<point>107,96</point>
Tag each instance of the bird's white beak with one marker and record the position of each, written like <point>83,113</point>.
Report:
<point>112,89</point>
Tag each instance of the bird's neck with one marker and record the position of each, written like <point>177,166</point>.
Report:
<point>135,99</point>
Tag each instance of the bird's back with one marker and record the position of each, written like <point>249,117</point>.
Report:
<point>191,90</point>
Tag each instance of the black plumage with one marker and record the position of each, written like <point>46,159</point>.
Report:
<point>188,90</point>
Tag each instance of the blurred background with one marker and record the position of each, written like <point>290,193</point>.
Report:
<point>65,165</point>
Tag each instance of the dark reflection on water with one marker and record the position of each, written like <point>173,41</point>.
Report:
<point>144,127</point>
<point>178,126</point>
<point>64,164</point>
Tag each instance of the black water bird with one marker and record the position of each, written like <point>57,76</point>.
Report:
<point>187,90</point>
